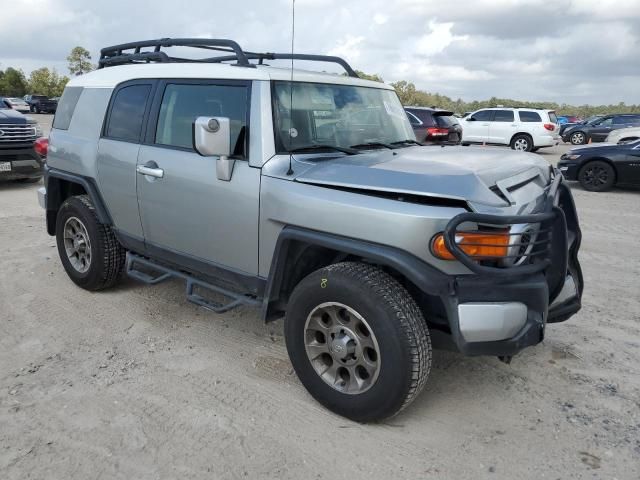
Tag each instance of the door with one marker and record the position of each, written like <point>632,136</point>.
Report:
<point>118,150</point>
<point>185,208</point>
<point>629,170</point>
<point>601,129</point>
<point>502,127</point>
<point>476,126</point>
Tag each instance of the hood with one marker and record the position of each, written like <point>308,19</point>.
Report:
<point>13,116</point>
<point>592,147</point>
<point>481,175</point>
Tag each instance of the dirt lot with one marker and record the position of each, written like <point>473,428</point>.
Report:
<point>138,383</point>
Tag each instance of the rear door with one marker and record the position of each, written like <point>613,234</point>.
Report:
<point>630,170</point>
<point>601,129</point>
<point>118,150</point>
<point>186,210</point>
<point>502,127</point>
<point>476,126</point>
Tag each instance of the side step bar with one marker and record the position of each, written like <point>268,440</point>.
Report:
<point>162,273</point>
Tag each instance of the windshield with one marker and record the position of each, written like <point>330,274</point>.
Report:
<point>340,116</point>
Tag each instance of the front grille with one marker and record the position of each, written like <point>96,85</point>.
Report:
<point>15,133</point>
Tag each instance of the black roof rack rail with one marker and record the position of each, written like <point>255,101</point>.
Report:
<point>290,56</point>
<point>118,54</point>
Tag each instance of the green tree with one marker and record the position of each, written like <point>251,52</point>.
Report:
<point>369,76</point>
<point>47,82</point>
<point>79,61</point>
<point>13,83</point>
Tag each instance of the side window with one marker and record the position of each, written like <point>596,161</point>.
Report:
<point>526,116</point>
<point>183,103</point>
<point>621,120</point>
<point>127,113</point>
<point>503,116</point>
<point>606,122</point>
<point>483,115</point>
<point>425,117</point>
<point>66,107</point>
<point>413,119</point>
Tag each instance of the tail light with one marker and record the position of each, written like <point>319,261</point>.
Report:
<point>477,245</point>
<point>437,132</point>
<point>550,126</point>
<point>41,146</point>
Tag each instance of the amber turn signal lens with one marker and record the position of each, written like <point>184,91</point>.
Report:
<point>475,244</point>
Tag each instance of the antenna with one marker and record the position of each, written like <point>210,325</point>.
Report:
<point>293,33</point>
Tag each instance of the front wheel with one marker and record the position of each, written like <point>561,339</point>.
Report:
<point>357,341</point>
<point>90,253</point>
<point>597,176</point>
<point>522,143</point>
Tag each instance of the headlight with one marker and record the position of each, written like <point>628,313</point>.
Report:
<point>573,156</point>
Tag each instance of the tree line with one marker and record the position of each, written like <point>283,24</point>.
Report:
<point>410,95</point>
<point>44,81</point>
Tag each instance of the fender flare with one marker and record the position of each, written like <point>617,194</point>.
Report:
<point>54,179</point>
<point>426,277</point>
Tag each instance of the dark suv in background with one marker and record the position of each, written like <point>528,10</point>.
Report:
<point>41,104</point>
<point>433,126</point>
<point>21,154</point>
<point>598,129</point>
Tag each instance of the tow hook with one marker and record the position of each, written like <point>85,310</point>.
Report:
<point>505,359</point>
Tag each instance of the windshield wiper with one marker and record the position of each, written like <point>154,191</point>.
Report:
<point>373,145</point>
<point>404,142</point>
<point>305,148</point>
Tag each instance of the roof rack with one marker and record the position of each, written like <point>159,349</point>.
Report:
<point>118,54</point>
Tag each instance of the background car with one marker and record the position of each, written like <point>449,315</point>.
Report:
<point>600,167</point>
<point>598,129</point>
<point>591,119</point>
<point>41,104</point>
<point>19,104</point>
<point>434,126</point>
<point>565,119</point>
<point>623,135</point>
<point>21,146</point>
<point>525,129</point>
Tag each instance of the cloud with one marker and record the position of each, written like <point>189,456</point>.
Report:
<point>579,51</point>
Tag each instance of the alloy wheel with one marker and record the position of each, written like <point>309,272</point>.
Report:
<point>577,138</point>
<point>521,144</point>
<point>342,348</point>
<point>77,244</point>
<point>595,176</point>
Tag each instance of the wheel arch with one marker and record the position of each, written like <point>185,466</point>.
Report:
<point>61,185</point>
<point>527,134</point>
<point>601,159</point>
<point>300,251</point>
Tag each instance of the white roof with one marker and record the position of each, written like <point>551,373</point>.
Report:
<point>109,77</point>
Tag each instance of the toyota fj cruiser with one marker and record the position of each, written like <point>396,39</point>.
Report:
<point>306,195</point>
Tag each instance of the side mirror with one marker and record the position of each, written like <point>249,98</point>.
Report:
<point>212,137</point>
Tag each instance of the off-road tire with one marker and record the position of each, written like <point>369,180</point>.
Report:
<point>524,139</point>
<point>107,255</point>
<point>597,176</point>
<point>396,322</point>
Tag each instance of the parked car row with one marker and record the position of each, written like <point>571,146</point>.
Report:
<point>597,129</point>
<point>31,104</point>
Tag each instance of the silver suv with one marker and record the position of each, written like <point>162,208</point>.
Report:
<point>306,196</point>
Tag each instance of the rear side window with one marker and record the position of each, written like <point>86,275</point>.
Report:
<point>531,116</point>
<point>483,115</point>
<point>552,117</point>
<point>424,116</point>
<point>503,116</point>
<point>626,120</point>
<point>66,107</point>
<point>182,104</point>
<point>412,118</point>
<point>127,113</point>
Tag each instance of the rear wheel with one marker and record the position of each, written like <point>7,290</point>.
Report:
<point>522,142</point>
<point>357,341</point>
<point>578,138</point>
<point>90,253</point>
<point>597,176</point>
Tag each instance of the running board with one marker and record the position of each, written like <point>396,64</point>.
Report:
<point>160,273</point>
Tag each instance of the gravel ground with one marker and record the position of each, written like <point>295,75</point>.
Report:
<point>136,382</point>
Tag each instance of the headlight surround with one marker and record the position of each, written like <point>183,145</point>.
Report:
<point>573,156</point>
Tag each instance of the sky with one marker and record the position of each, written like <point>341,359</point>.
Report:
<point>568,51</point>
